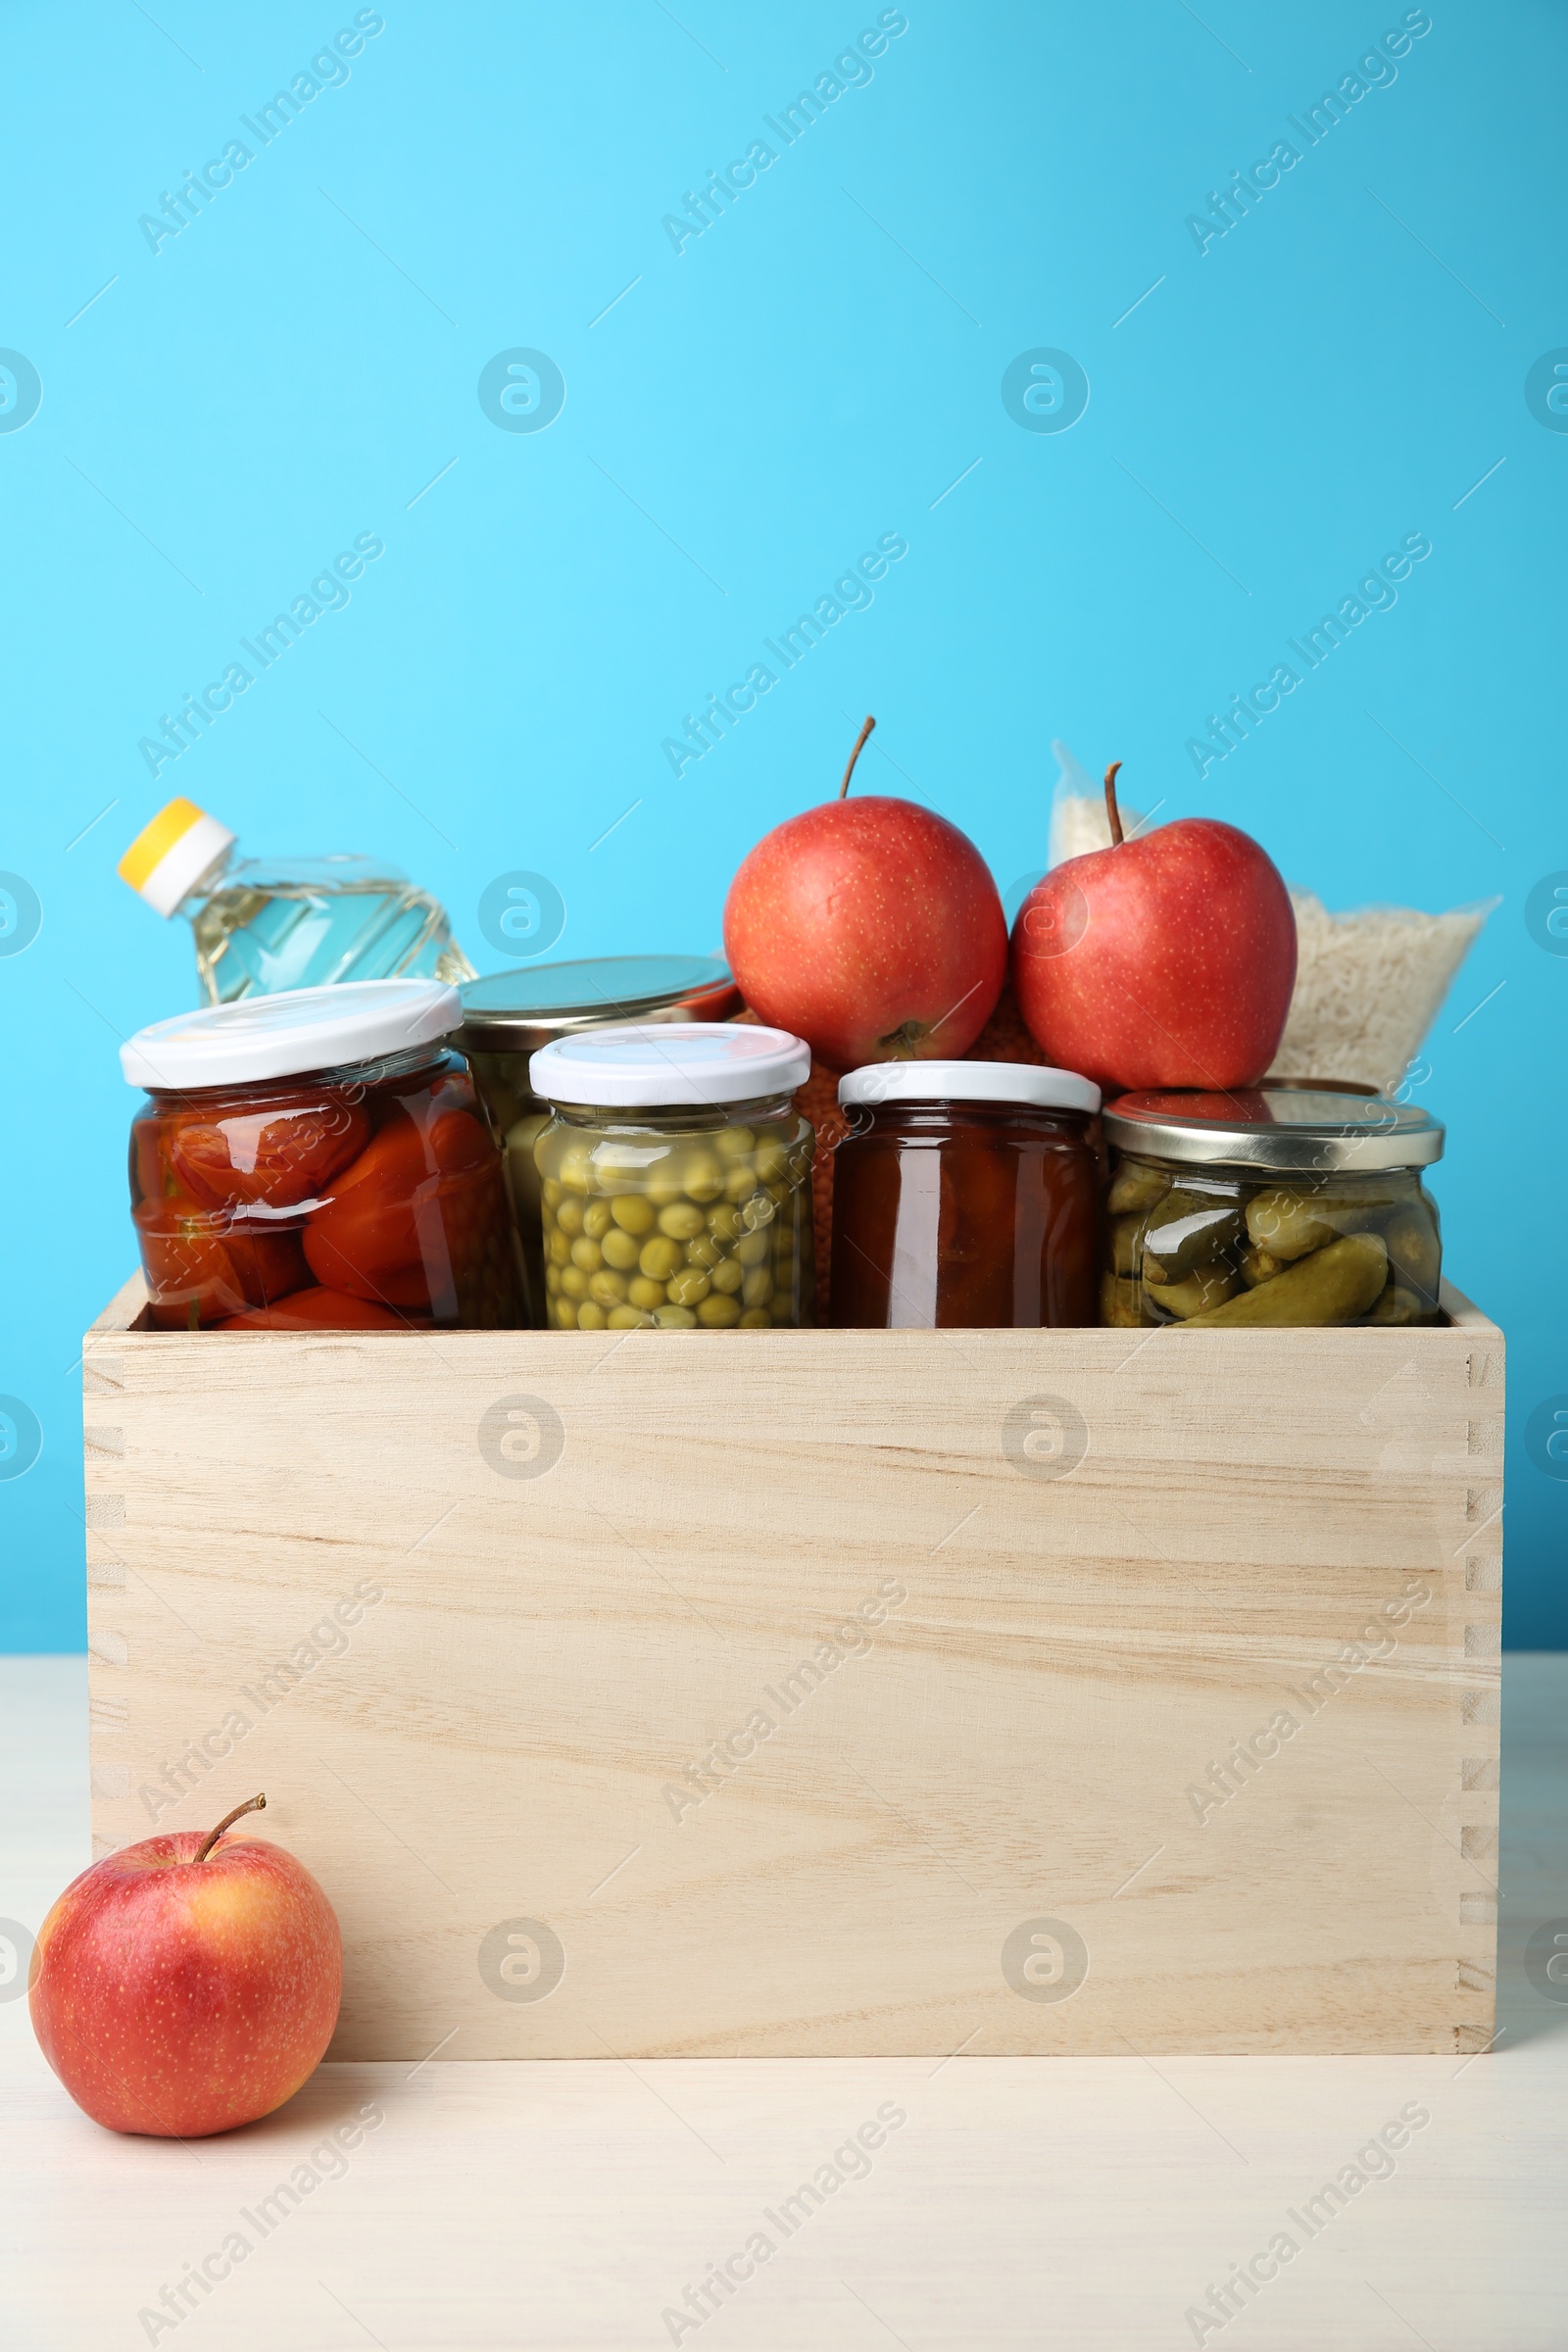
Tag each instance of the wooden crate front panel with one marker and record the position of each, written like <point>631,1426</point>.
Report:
<point>519,1734</point>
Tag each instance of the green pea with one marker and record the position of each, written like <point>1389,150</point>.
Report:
<point>587,1254</point>
<point>773,1163</point>
<point>596,1220</point>
<point>550,1192</point>
<point>609,1289</point>
<point>756,1318</point>
<point>657,1258</point>
<point>688,1287</point>
<point>619,1250</point>
<point>641,1292</point>
<point>758,1287</point>
<point>702,1250</point>
<point>568,1217</point>
<point>753,1248</point>
<point>573,1282</point>
<point>627,1318</point>
<point>741,1183</point>
<point>575,1171</point>
<point>563,1314</point>
<point>558,1248</point>
<point>632,1212</point>
<point>718,1311</point>
<point>676,1318</point>
<point>703,1177</point>
<point>725,1223</point>
<point>733,1143</point>
<point>682,1221</point>
<point>590,1316</point>
<point>729,1276</point>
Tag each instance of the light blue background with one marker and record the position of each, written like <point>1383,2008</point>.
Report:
<point>813,371</point>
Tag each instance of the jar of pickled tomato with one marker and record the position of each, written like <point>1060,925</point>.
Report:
<point>675,1179</point>
<point>317,1160</point>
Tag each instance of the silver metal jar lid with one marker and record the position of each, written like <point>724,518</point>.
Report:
<point>521,1011</point>
<point>1281,1129</point>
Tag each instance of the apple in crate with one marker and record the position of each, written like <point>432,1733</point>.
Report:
<point>189,1984</point>
<point>1165,961</point>
<point>869,927</point>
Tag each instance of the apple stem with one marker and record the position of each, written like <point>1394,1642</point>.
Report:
<point>1111,810</point>
<point>252,1804</point>
<point>859,742</point>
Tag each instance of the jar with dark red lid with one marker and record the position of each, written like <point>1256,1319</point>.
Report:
<point>967,1195</point>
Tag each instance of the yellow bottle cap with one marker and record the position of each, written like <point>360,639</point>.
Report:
<point>169,857</point>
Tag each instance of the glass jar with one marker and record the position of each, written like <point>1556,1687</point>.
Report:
<point>965,1195</point>
<point>675,1179</point>
<point>510,1016</point>
<point>316,1161</point>
<point>1270,1206</point>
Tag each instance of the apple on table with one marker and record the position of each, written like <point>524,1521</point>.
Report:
<point>188,1984</point>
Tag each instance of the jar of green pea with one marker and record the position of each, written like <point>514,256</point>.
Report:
<point>675,1179</point>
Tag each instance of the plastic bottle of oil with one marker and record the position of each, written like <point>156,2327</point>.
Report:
<point>262,925</point>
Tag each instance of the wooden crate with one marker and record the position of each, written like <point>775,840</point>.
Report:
<point>825,1692</point>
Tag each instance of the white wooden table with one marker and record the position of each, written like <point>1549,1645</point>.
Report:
<point>1082,2203</point>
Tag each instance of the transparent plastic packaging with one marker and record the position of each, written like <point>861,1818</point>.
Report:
<point>264,925</point>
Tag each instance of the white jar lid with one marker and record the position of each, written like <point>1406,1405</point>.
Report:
<point>297,1029</point>
<point>646,1066</point>
<point>969,1082</point>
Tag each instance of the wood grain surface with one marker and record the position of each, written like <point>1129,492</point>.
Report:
<point>826,1693</point>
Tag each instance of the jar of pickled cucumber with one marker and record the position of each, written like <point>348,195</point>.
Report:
<point>675,1179</point>
<point>1270,1206</point>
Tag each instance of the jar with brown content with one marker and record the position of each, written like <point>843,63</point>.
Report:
<point>967,1195</point>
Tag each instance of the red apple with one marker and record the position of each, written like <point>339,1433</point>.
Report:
<point>869,927</point>
<point>1158,962</point>
<point>188,1984</point>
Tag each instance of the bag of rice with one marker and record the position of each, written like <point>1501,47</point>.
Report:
<point>1369,985</point>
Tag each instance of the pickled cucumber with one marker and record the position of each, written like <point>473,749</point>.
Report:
<point>1289,1221</point>
<point>1127,1242</point>
<point>1135,1187</point>
<point>1332,1284</point>
<point>1206,1289</point>
<point>1258,1265</point>
<point>1395,1305</point>
<point>1415,1253</point>
<point>1122,1305</point>
<point>1187,1230</point>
